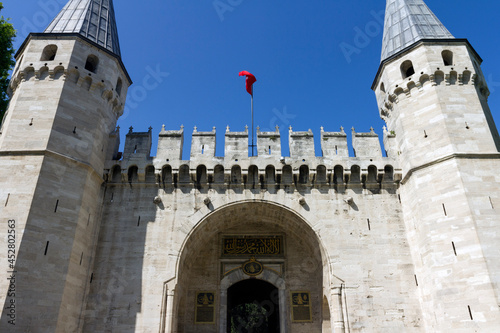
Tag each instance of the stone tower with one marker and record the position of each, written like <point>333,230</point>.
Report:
<point>68,90</point>
<point>433,96</point>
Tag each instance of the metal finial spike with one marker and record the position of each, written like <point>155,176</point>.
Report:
<point>131,129</point>
<point>150,128</point>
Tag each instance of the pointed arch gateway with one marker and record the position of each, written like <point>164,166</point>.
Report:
<point>211,266</point>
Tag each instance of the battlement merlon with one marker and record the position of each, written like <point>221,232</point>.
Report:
<point>203,144</point>
<point>170,144</point>
<point>366,144</point>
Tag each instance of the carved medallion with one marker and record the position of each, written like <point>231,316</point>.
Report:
<point>252,267</point>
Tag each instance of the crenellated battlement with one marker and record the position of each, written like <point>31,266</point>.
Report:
<point>269,168</point>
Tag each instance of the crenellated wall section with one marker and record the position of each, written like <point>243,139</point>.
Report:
<point>369,168</point>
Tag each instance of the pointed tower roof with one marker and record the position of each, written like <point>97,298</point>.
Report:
<point>93,19</point>
<point>407,22</point>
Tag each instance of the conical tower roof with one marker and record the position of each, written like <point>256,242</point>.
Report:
<point>93,19</point>
<point>407,22</point>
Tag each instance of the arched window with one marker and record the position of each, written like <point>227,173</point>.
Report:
<point>321,174</point>
<point>388,173</point>
<point>92,63</point>
<point>447,57</point>
<point>119,85</point>
<point>287,175</point>
<point>219,174</point>
<point>150,174</point>
<point>372,174</point>
<point>270,175</point>
<point>49,53</point>
<point>166,174</point>
<point>116,174</point>
<point>304,174</point>
<point>355,174</point>
<point>201,175</point>
<point>236,174</point>
<point>132,174</point>
<point>338,174</point>
<point>407,69</point>
<point>184,174</point>
<point>253,175</point>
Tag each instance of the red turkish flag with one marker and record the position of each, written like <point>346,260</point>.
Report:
<point>249,81</point>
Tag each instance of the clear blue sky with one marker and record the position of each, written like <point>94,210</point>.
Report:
<point>293,47</point>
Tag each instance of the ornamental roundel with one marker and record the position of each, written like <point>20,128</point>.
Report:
<point>252,267</point>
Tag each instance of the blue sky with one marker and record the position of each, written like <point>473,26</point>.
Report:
<point>294,48</point>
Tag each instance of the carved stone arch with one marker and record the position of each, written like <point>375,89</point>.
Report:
<point>466,77</point>
<point>43,73</point>
<point>58,72</point>
<point>87,83</point>
<point>74,75</point>
<point>424,79</point>
<point>28,73</point>
<point>438,77</point>
<point>204,229</point>
<point>411,85</point>
<point>399,92</point>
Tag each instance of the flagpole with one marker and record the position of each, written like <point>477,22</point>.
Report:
<point>252,126</point>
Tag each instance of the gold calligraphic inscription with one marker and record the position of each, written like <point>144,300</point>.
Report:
<point>252,267</point>
<point>301,306</point>
<point>250,246</point>
<point>205,308</point>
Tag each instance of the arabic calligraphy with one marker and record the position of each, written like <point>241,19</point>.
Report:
<point>271,245</point>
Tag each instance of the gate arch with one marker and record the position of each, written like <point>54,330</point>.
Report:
<point>248,217</point>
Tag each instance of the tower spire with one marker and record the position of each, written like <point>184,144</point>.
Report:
<point>407,22</point>
<point>93,19</point>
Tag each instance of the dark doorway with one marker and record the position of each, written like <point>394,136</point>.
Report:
<point>253,307</point>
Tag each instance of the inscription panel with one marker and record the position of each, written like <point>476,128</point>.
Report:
<point>234,246</point>
<point>301,307</point>
<point>205,308</point>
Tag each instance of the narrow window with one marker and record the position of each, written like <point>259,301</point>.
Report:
<point>119,85</point>
<point>447,57</point>
<point>46,248</point>
<point>49,53</point>
<point>382,87</point>
<point>92,63</point>
<point>407,69</point>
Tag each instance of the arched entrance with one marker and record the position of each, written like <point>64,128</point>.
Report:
<point>212,267</point>
<point>253,306</point>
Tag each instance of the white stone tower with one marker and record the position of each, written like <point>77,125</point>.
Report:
<point>433,96</point>
<point>68,90</point>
